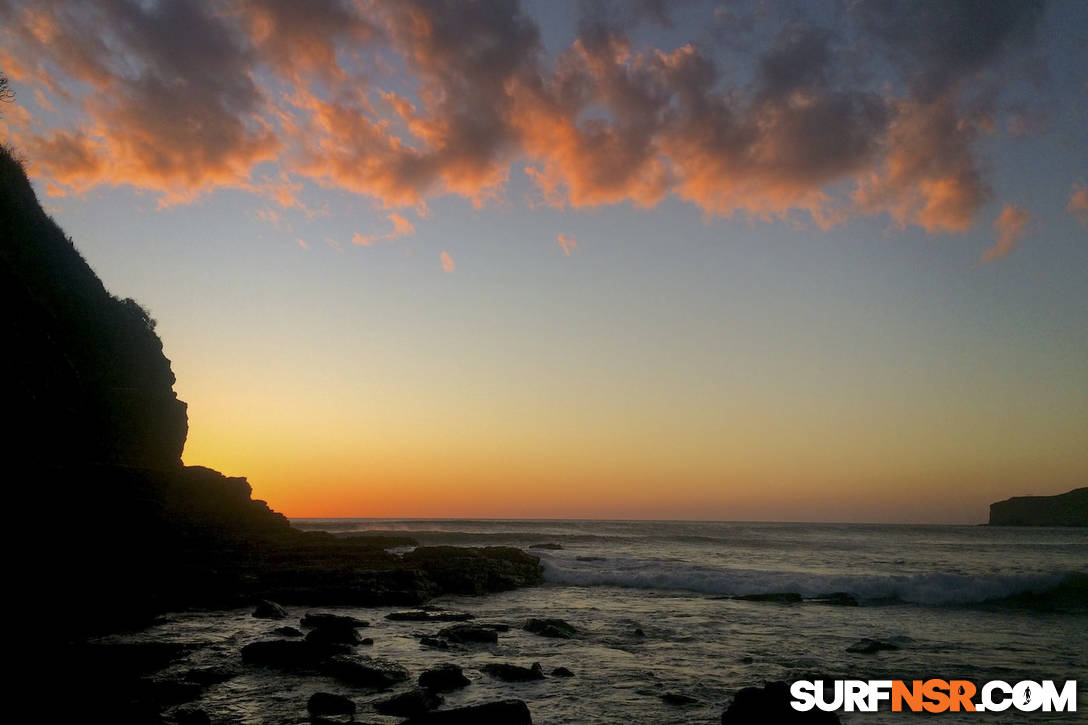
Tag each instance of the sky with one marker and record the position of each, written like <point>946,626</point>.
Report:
<point>790,261</point>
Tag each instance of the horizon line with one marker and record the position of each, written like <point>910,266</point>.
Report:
<point>619,520</point>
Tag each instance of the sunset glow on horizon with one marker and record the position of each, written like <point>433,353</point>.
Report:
<point>699,260</point>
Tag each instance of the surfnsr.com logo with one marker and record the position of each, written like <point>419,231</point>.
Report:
<point>934,696</point>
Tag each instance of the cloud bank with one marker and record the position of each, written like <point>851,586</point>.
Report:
<point>406,101</point>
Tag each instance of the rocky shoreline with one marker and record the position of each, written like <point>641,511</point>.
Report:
<point>151,541</point>
<point>319,667</point>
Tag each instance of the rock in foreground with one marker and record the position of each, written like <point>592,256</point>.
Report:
<point>443,678</point>
<point>337,621</point>
<point>408,704</point>
<point>341,635</point>
<point>291,654</point>
<point>514,673</point>
<point>364,671</point>
<point>558,628</point>
<point>327,703</point>
<point>466,633</point>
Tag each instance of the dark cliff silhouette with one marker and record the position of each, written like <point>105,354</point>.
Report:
<point>119,529</point>
<point>1066,509</point>
<point>86,379</point>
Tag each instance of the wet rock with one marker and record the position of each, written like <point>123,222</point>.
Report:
<point>502,712</point>
<point>325,619</point>
<point>328,703</point>
<point>866,646</point>
<point>366,641</point>
<point>364,671</point>
<point>434,642</point>
<point>496,627</point>
<point>443,678</point>
<point>414,702</point>
<point>638,632</point>
<point>838,599</point>
<point>467,633</point>
<point>287,631</point>
<point>334,635</point>
<point>562,672</point>
<point>771,704</point>
<point>775,597</point>
<point>558,628</point>
<point>551,546</point>
<point>424,615</point>
<point>514,673</point>
<point>678,699</point>
<point>290,654</point>
<point>269,610</point>
<point>467,570</point>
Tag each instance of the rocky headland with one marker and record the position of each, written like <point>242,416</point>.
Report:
<point>97,441</point>
<point>1066,509</point>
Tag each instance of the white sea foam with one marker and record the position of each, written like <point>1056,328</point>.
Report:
<point>936,588</point>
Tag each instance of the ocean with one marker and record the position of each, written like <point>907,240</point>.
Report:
<point>653,604</point>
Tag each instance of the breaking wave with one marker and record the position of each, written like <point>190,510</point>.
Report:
<point>933,588</point>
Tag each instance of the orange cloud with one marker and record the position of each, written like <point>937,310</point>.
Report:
<point>1010,227</point>
<point>1078,203</point>
<point>298,38</point>
<point>567,243</point>
<point>42,100</point>
<point>14,119</point>
<point>67,159</point>
<point>172,105</point>
<point>184,98</point>
<point>401,228</point>
<point>447,262</point>
<point>929,176</point>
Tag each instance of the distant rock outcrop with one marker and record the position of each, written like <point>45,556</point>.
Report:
<point>1067,509</point>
